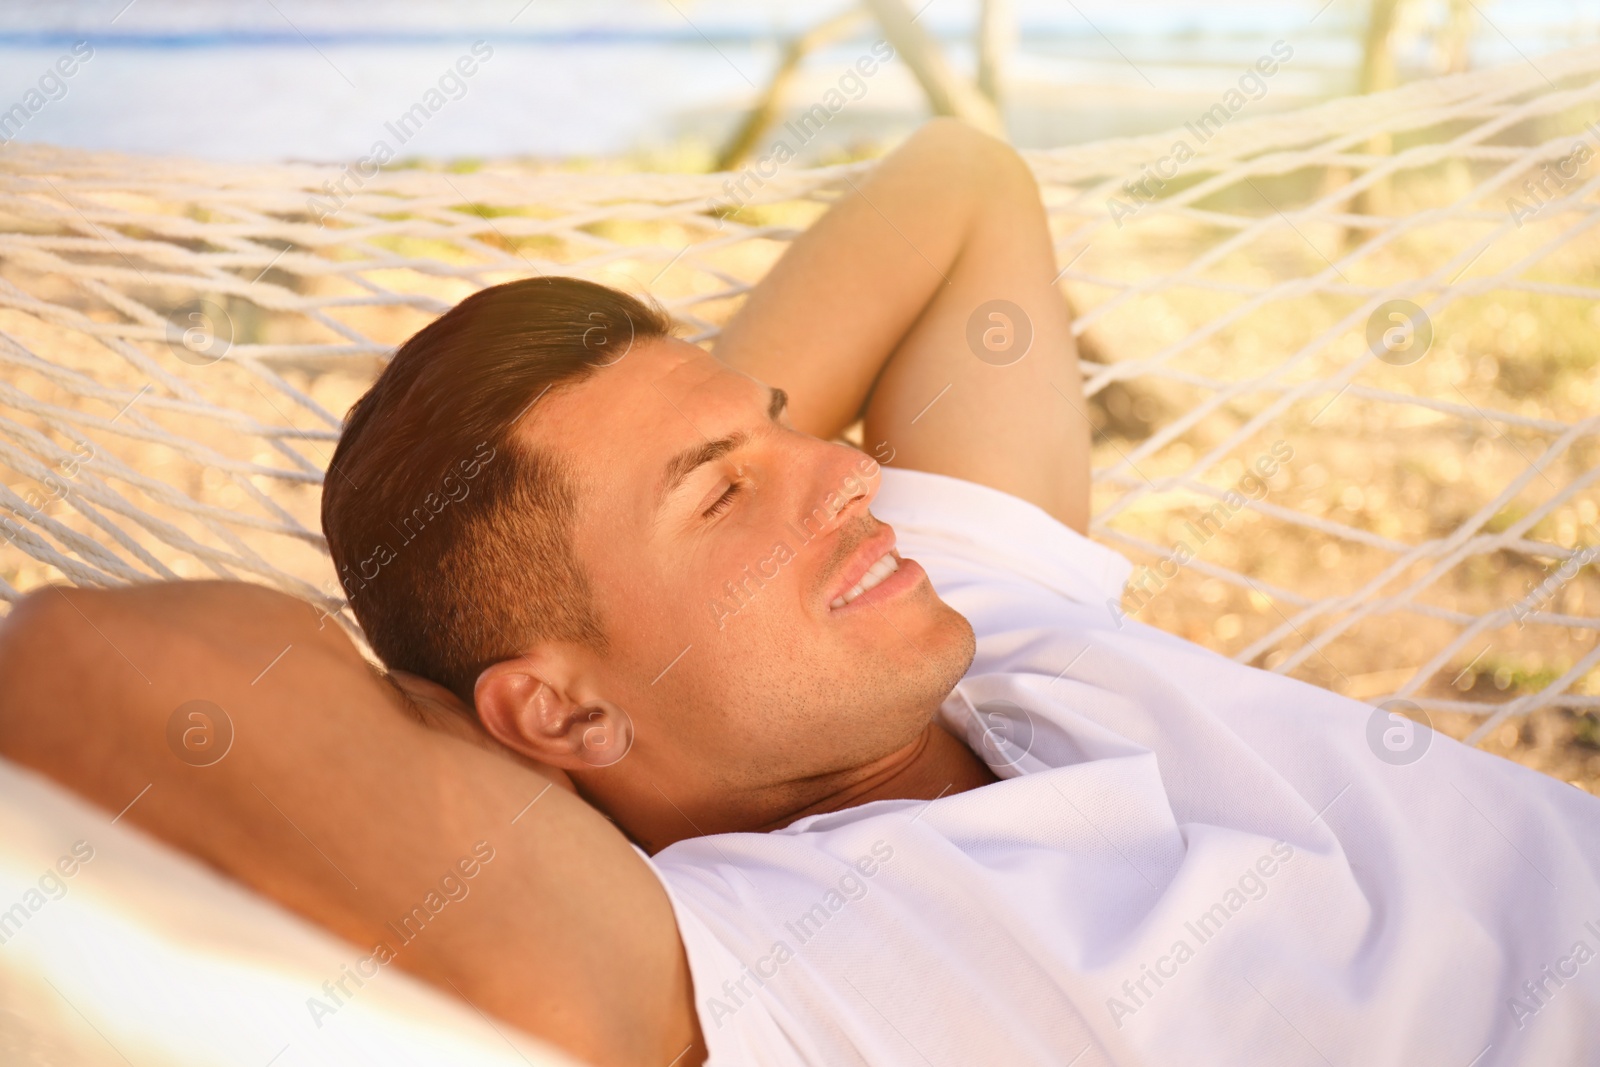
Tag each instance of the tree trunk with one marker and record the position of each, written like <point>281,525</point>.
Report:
<point>947,94</point>
<point>1457,44</point>
<point>1377,53</point>
<point>1378,73</point>
<point>766,111</point>
<point>997,34</point>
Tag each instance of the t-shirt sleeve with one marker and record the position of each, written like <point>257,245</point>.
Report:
<point>737,1033</point>
<point>961,531</point>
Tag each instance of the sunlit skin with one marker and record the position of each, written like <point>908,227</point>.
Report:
<point>775,705</point>
<point>746,717</point>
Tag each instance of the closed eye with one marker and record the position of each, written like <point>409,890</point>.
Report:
<point>688,461</point>
<point>723,502</point>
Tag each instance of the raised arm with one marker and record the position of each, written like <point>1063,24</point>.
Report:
<point>869,312</point>
<point>341,805</point>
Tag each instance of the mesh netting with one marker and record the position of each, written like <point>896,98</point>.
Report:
<point>179,340</point>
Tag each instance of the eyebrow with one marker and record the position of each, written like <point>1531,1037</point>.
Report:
<point>691,459</point>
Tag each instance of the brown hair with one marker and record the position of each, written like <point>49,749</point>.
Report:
<point>451,535</point>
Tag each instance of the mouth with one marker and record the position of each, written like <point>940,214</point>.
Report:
<point>885,565</point>
<point>874,572</point>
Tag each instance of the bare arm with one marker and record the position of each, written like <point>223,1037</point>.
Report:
<point>339,804</point>
<point>867,314</point>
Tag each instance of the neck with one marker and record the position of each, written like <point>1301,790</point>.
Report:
<point>932,766</point>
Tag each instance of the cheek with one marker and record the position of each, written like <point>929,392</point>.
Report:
<point>744,571</point>
<point>750,581</point>
<point>720,594</point>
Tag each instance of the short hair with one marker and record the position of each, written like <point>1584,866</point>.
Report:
<point>451,535</point>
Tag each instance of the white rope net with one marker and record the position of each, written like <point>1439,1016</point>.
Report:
<point>179,341</point>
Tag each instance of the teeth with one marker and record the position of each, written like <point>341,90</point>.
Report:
<point>875,574</point>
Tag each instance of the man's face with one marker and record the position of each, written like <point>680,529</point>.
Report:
<point>728,552</point>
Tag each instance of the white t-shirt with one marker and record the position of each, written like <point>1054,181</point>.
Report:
<point>1188,861</point>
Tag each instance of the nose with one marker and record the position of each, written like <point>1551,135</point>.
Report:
<point>844,484</point>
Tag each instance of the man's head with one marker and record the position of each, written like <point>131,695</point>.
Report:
<point>453,546</point>
<point>645,555</point>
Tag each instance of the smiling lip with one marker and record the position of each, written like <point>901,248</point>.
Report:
<point>869,560</point>
<point>906,576</point>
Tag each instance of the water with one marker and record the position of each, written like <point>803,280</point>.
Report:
<point>274,79</point>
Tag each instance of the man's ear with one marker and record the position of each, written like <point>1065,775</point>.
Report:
<point>527,704</point>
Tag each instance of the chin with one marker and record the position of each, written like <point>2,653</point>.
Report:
<point>947,647</point>
<point>964,645</point>
<point>895,692</point>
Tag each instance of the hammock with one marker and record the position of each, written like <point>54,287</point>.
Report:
<point>179,340</point>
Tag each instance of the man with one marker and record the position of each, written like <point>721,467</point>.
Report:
<point>793,753</point>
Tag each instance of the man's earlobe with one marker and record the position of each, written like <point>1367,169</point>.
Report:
<point>605,734</point>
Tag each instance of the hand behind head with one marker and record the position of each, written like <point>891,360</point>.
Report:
<point>439,709</point>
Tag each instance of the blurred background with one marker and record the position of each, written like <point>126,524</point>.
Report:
<point>673,83</point>
<point>1243,276</point>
